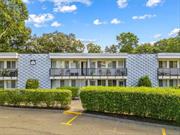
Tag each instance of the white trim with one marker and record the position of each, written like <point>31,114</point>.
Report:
<point>8,55</point>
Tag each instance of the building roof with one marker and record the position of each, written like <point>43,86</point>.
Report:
<point>169,55</point>
<point>87,55</point>
<point>8,55</point>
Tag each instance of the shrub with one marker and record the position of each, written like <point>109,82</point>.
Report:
<point>74,90</point>
<point>32,84</point>
<point>157,103</point>
<point>144,81</point>
<point>38,97</point>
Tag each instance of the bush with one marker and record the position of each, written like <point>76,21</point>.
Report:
<point>74,90</point>
<point>157,103</point>
<point>32,84</point>
<point>144,81</point>
<point>49,98</point>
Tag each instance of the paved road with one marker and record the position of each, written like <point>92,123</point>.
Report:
<point>21,121</point>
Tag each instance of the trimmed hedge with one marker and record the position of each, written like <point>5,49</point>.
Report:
<point>156,103</point>
<point>74,90</point>
<point>37,98</point>
<point>32,84</point>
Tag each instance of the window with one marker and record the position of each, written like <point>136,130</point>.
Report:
<point>62,83</point>
<point>1,84</point>
<point>92,82</point>
<point>122,82</point>
<point>11,84</point>
<point>121,64</point>
<point>73,83</point>
<point>111,82</point>
<point>11,64</point>
<point>1,64</point>
<point>101,82</point>
<point>53,64</point>
<point>101,64</point>
<point>160,83</point>
<point>66,64</point>
<point>173,64</point>
<point>112,64</point>
<point>75,64</point>
<point>172,83</point>
<point>92,64</point>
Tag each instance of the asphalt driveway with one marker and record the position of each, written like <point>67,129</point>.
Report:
<point>24,121</point>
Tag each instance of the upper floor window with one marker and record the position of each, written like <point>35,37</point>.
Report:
<point>92,64</point>
<point>162,64</point>
<point>53,64</point>
<point>1,64</point>
<point>101,64</point>
<point>172,64</point>
<point>75,64</point>
<point>112,64</point>
<point>121,64</point>
<point>11,64</point>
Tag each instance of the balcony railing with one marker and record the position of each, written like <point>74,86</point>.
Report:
<point>88,72</point>
<point>169,71</point>
<point>8,72</point>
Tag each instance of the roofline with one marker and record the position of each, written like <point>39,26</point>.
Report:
<point>10,55</point>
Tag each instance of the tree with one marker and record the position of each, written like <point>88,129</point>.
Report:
<point>93,48</point>
<point>145,48</point>
<point>144,81</point>
<point>13,32</point>
<point>111,49</point>
<point>55,42</point>
<point>127,42</point>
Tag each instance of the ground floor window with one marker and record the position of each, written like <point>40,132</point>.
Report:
<point>122,82</point>
<point>11,84</point>
<point>73,83</point>
<point>62,84</point>
<point>1,84</point>
<point>101,82</point>
<point>92,82</point>
<point>168,83</point>
<point>111,82</point>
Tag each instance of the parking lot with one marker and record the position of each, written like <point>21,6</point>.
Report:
<point>25,121</point>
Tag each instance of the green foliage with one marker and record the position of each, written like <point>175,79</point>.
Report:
<point>13,32</point>
<point>40,97</point>
<point>144,81</point>
<point>156,103</point>
<point>74,90</point>
<point>111,49</point>
<point>93,48</point>
<point>127,42</point>
<point>55,42</point>
<point>32,84</point>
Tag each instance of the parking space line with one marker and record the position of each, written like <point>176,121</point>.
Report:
<point>163,131</point>
<point>70,121</point>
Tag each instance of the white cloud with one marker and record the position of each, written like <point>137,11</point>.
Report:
<point>56,24</point>
<point>153,3</point>
<point>157,36</point>
<point>67,6</point>
<point>174,32</point>
<point>66,9</point>
<point>26,1</point>
<point>98,22</point>
<point>122,3</point>
<point>115,21</point>
<point>146,16</point>
<point>39,20</point>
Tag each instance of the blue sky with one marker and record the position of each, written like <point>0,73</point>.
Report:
<point>100,21</point>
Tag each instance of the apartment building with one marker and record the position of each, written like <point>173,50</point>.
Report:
<point>68,69</point>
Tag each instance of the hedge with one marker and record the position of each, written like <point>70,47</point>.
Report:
<point>32,84</point>
<point>156,103</point>
<point>74,90</point>
<point>36,98</point>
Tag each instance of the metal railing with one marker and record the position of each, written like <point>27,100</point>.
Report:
<point>169,71</point>
<point>8,72</point>
<point>88,72</point>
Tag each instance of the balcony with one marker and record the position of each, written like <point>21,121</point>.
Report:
<point>169,72</point>
<point>8,72</point>
<point>88,72</point>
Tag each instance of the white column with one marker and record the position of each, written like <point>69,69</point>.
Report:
<point>117,82</point>
<point>88,82</point>
<point>106,82</point>
<point>69,83</point>
<point>167,63</point>
<point>5,86</point>
<point>96,82</point>
<point>5,64</point>
<point>178,66</point>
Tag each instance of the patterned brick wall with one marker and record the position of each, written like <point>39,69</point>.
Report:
<point>38,71</point>
<point>139,65</point>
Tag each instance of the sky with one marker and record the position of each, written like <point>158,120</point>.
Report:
<point>100,21</point>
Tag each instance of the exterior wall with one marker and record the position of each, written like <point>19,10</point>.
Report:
<point>139,65</point>
<point>38,71</point>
